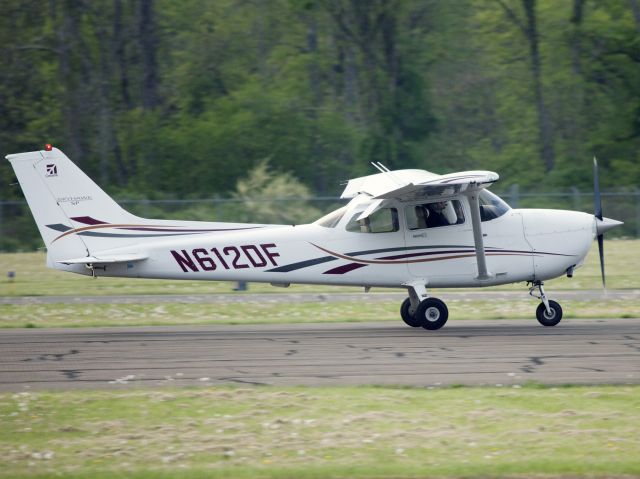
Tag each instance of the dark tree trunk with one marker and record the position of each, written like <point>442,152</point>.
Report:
<point>148,50</point>
<point>119,50</point>
<point>576,40</point>
<point>530,30</point>
<point>105,132</point>
<point>320,179</point>
<point>262,50</point>
<point>67,34</point>
<point>544,122</point>
<point>636,12</point>
<point>393,70</point>
<point>574,123</point>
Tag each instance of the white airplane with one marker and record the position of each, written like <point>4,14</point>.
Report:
<point>407,229</point>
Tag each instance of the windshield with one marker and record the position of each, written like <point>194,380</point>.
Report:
<point>491,206</point>
<point>332,219</point>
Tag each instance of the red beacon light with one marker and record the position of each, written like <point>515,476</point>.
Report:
<point>48,147</point>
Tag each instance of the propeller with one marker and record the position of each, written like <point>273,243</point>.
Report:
<point>602,224</point>
<point>597,208</point>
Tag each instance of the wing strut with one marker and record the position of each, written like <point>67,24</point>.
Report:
<point>477,235</point>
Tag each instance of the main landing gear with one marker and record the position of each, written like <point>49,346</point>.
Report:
<point>549,313</point>
<point>419,311</point>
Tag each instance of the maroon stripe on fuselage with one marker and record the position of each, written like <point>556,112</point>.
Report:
<point>425,253</point>
<point>88,220</point>
<point>345,268</point>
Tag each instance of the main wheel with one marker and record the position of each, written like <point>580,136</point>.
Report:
<point>432,313</point>
<point>409,314</point>
<point>551,318</point>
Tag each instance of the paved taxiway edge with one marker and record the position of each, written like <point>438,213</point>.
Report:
<point>466,352</point>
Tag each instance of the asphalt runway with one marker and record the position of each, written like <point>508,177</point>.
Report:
<point>466,352</point>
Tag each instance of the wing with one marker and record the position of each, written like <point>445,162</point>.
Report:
<point>442,186</point>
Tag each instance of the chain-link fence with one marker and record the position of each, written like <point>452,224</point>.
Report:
<point>18,231</point>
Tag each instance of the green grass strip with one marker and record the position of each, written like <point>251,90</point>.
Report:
<point>257,312</point>
<point>366,432</point>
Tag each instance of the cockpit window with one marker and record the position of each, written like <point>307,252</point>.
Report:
<point>491,206</point>
<point>332,219</point>
<point>432,215</point>
<point>384,220</point>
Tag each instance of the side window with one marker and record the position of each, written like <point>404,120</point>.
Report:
<point>384,220</point>
<point>433,215</point>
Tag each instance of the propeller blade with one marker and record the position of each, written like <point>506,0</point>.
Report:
<point>597,203</point>
<point>601,251</point>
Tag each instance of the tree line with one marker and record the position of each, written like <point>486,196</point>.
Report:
<point>157,98</point>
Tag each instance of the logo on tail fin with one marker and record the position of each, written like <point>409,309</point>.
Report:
<point>52,170</point>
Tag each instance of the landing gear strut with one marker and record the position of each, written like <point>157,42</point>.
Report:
<point>549,313</point>
<point>420,311</point>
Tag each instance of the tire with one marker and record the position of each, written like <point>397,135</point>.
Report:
<point>549,319</point>
<point>432,313</point>
<point>407,316</point>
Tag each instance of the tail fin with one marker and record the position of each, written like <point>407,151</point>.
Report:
<point>63,200</point>
<point>80,223</point>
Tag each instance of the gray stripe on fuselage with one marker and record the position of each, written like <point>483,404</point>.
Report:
<point>302,264</point>
<point>116,235</point>
<point>325,259</point>
<point>59,227</point>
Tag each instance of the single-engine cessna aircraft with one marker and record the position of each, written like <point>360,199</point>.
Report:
<point>401,229</point>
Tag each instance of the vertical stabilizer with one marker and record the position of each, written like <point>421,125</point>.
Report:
<point>63,199</point>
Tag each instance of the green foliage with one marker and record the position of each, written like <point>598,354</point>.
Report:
<point>262,185</point>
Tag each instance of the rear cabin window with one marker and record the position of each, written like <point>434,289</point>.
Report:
<point>384,220</point>
<point>434,215</point>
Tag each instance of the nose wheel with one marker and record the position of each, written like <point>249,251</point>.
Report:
<point>549,312</point>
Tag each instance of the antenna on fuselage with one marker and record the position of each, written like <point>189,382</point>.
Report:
<point>384,170</point>
<point>380,167</point>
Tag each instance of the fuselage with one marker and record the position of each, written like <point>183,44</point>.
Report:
<point>520,245</point>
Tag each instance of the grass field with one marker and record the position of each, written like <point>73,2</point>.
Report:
<point>34,279</point>
<point>254,312</point>
<point>322,432</point>
<point>265,432</point>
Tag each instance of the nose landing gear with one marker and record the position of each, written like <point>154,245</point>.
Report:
<point>549,312</point>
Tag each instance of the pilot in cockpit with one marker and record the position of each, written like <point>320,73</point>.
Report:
<point>437,216</point>
<point>422,213</point>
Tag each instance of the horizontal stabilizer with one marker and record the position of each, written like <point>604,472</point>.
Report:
<point>106,259</point>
